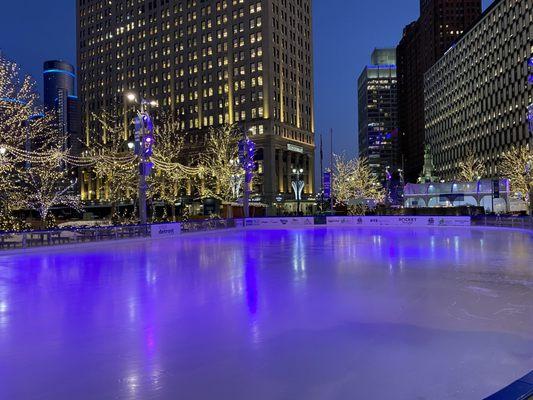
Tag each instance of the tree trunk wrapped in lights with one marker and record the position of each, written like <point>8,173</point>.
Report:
<point>353,184</point>
<point>471,168</point>
<point>517,165</point>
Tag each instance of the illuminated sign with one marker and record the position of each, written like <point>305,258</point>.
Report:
<point>296,149</point>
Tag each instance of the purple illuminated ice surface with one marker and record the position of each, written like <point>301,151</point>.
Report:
<point>307,314</point>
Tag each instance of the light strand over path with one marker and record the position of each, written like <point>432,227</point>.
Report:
<point>16,155</point>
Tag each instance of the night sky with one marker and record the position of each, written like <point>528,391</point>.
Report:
<point>345,33</point>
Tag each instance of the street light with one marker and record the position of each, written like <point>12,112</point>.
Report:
<point>145,140</point>
<point>246,151</point>
<point>3,151</point>
<point>298,186</point>
<point>236,178</point>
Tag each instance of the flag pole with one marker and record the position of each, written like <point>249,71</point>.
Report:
<point>321,174</point>
<point>331,165</point>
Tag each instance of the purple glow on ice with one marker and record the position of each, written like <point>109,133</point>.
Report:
<point>302,314</point>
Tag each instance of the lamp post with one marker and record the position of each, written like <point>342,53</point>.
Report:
<point>144,140</point>
<point>388,179</point>
<point>236,178</point>
<point>298,186</point>
<point>246,159</point>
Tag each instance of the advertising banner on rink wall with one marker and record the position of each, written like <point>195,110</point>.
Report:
<point>399,221</point>
<point>279,222</point>
<point>163,231</point>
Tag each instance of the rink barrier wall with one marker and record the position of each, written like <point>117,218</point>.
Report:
<point>17,241</point>
<point>279,222</point>
<point>71,236</point>
<point>397,221</point>
<point>522,389</point>
<point>417,221</point>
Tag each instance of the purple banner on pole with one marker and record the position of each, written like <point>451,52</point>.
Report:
<point>327,185</point>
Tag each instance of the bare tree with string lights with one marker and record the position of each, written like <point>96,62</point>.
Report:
<point>220,163</point>
<point>113,163</point>
<point>517,165</point>
<point>353,184</point>
<point>48,184</point>
<point>471,168</point>
<point>28,144</point>
<point>170,176</point>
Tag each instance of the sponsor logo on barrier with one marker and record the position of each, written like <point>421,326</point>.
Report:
<point>165,231</point>
<point>364,221</point>
<point>304,221</point>
<point>399,221</point>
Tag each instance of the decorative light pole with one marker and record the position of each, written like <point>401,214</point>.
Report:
<point>236,178</point>
<point>388,179</point>
<point>144,141</point>
<point>298,187</point>
<point>246,159</point>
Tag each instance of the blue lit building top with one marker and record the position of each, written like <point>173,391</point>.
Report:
<point>59,76</point>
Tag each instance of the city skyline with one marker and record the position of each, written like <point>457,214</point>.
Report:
<point>341,45</point>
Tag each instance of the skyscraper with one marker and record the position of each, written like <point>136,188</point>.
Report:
<point>244,62</point>
<point>477,94</point>
<point>378,114</point>
<point>424,41</point>
<point>60,97</point>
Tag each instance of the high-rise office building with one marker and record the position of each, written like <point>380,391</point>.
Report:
<point>424,41</point>
<point>60,97</point>
<point>212,62</point>
<point>477,95</point>
<point>378,113</point>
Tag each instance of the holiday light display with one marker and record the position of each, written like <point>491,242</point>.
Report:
<point>353,181</point>
<point>219,163</point>
<point>471,168</point>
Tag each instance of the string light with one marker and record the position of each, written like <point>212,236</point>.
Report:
<point>353,179</point>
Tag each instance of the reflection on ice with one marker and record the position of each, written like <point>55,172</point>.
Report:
<point>271,314</point>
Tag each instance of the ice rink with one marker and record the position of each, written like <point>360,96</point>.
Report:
<point>402,313</point>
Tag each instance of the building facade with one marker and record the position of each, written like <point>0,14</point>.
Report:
<point>214,62</point>
<point>424,41</point>
<point>60,96</point>
<point>477,95</point>
<point>378,113</point>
